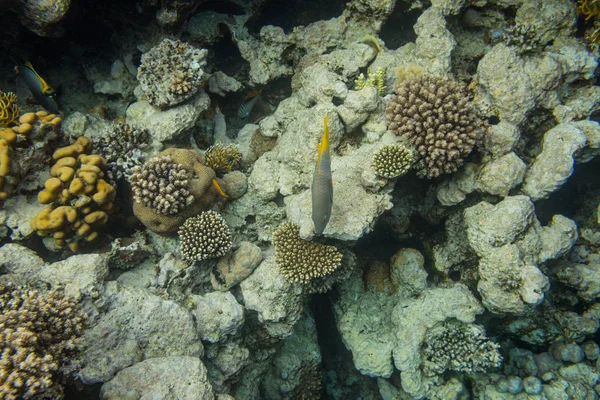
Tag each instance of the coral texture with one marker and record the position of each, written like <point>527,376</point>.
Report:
<point>199,185</point>
<point>223,158</point>
<point>122,149</point>
<point>205,236</point>
<point>301,261</point>
<point>459,347</point>
<point>392,161</point>
<point>9,109</point>
<point>37,332</point>
<point>43,17</point>
<point>171,72</point>
<point>80,199</point>
<point>437,118</point>
<point>161,184</point>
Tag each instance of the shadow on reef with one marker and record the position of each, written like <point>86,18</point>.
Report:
<point>397,29</point>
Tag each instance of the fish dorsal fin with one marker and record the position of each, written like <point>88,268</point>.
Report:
<point>45,87</point>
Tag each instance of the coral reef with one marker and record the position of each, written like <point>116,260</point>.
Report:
<point>122,149</point>
<point>392,161</point>
<point>193,179</point>
<point>376,80</point>
<point>43,17</point>
<point>302,261</point>
<point>436,117</point>
<point>39,331</point>
<point>80,199</point>
<point>223,158</point>
<point>459,347</point>
<point>204,236</point>
<point>9,109</point>
<point>171,72</point>
<point>162,185</point>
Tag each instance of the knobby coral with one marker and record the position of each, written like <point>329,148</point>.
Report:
<point>171,72</point>
<point>223,158</point>
<point>436,116</point>
<point>9,109</point>
<point>38,331</point>
<point>80,199</point>
<point>122,149</point>
<point>392,161</point>
<point>460,347</point>
<point>205,236</point>
<point>301,261</point>
<point>161,184</point>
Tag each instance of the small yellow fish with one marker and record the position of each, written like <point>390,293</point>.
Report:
<point>322,186</point>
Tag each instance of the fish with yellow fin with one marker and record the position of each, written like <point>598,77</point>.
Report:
<point>30,83</point>
<point>322,186</point>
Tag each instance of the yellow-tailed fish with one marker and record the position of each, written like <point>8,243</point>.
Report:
<point>31,82</point>
<point>322,186</point>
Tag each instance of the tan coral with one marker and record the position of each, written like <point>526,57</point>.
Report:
<point>80,200</point>
<point>199,185</point>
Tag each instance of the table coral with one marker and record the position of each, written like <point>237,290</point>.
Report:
<point>39,330</point>
<point>79,199</point>
<point>205,236</point>
<point>437,118</point>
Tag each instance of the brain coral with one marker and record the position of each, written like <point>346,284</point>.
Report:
<point>171,72</point>
<point>436,116</point>
<point>39,330</point>
<point>301,261</point>
<point>199,188</point>
<point>204,236</point>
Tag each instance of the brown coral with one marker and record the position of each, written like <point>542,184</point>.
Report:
<point>205,236</point>
<point>37,332</point>
<point>199,185</point>
<point>436,116</point>
<point>79,199</point>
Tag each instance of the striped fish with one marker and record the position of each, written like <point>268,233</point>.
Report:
<point>248,104</point>
<point>322,186</point>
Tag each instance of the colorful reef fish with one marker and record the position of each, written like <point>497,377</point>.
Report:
<point>322,186</point>
<point>248,104</point>
<point>30,82</point>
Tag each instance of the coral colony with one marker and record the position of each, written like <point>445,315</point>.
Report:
<point>251,202</point>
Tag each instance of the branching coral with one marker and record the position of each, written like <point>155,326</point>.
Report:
<point>205,236</point>
<point>171,72</point>
<point>436,117</point>
<point>460,347</point>
<point>9,109</point>
<point>223,158</point>
<point>590,11</point>
<point>301,261</point>
<point>161,184</point>
<point>37,332</point>
<point>80,199</point>
<point>376,80</point>
<point>122,149</point>
<point>392,161</point>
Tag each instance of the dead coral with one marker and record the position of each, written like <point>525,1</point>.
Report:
<point>437,118</point>
<point>38,332</point>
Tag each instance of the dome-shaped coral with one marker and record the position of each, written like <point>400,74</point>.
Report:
<point>204,236</point>
<point>392,161</point>
<point>436,117</point>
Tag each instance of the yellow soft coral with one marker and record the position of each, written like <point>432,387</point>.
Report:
<point>9,110</point>
<point>588,9</point>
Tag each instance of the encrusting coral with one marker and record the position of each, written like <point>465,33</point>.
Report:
<point>171,72</point>
<point>223,158</point>
<point>301,261</point>
<point>392,161</point>
<point>37,331</point>
<point>80,199</point>
<point>460,347</point>
<point>436,117</point>
<point>161,184</point>
<point>205,236</point>
<point>199,189</point>
<point>28,126</point>
<point>122,149</point>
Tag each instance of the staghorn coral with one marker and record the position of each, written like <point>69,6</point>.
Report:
<point>9,110</point>
<point>460,347</point>
<point>80,199</point>
<point>161,184</point>
<point>376,80</point>
<point>301,261</point>
<point>38,331</point>
<point>392,161</point>
<point>205,236</point>
<point>122,149</point>
<point>171,72</point>
<point>200,186</point>
<point>223,158</point>
<point>436,117</point>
